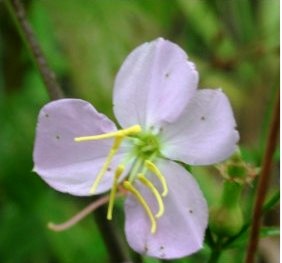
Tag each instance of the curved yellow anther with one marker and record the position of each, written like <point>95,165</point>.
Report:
<point>154,169</point>
<point>118,173</point>
<point>120,133</point>
<point>106,164</point>
<point>128,186</point>
<point>155,192</point>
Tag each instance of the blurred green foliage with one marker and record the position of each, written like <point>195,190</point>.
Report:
<point>235,45</point>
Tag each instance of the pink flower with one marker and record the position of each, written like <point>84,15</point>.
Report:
<point>164,119</point>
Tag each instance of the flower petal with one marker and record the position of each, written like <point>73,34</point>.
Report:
<point>180,230</point>
<point>155,76</point>
<point>205,132</point>
<point>64,164</point>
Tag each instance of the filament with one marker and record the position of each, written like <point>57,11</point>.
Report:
<point>118,173</point>
<point>135,169</point>
<point>155,192</point>
<point>120,133</point>
<point>119,136</point>
<point>128,186</point>
<point>154,169</point>
<point>106,164</point>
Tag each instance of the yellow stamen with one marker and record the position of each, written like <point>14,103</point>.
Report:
<point>134,169</point>
<point>118,173</point>
<point>154,169</point>
<point>155,192</point>
<point>119,136</point>
<point>120,133</point>
<point>128,186</point>
<point>106,164</point>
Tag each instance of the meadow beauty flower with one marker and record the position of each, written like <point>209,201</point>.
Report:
<point>164,118</point>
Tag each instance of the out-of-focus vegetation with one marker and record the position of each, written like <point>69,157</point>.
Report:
<point>235,45</point>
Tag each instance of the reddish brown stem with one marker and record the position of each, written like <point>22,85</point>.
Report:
<point>79,216</point>
<point>48,76</point>
<point>263,183</point>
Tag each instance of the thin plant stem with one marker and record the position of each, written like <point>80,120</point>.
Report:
<point>111,238</point>
<point>214,256</point>
<point>136,257</point>
<point>79,216</point>
<point>216,251</point>
<point>209,238</point>
<point>17,12</point>
<point>263,183</point>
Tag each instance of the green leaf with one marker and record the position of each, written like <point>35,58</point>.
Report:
<point>272,201</point>
<point>269,231</point>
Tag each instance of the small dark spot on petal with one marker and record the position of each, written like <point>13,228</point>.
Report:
<point>167,75</point>
<point>58,137</point>
<point>109,169</point>
<point>161,247</point>
<point>47,115</point>
<point>146,248</point>
<point>203,118</point>
<point>191,211</point>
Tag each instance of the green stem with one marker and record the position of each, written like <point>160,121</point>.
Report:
<point>215,255</point>
<point>209,238</point>
<point>216,250</point>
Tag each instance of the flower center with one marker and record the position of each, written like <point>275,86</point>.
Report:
<point>146,148</point>
<point>146,145</point>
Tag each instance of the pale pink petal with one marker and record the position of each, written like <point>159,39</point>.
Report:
<point>205,133</point>
<point>64,164</point>
<point>154,84</point>
<point>180,231</point>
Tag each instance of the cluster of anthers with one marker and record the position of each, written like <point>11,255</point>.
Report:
<point>146,148</point>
